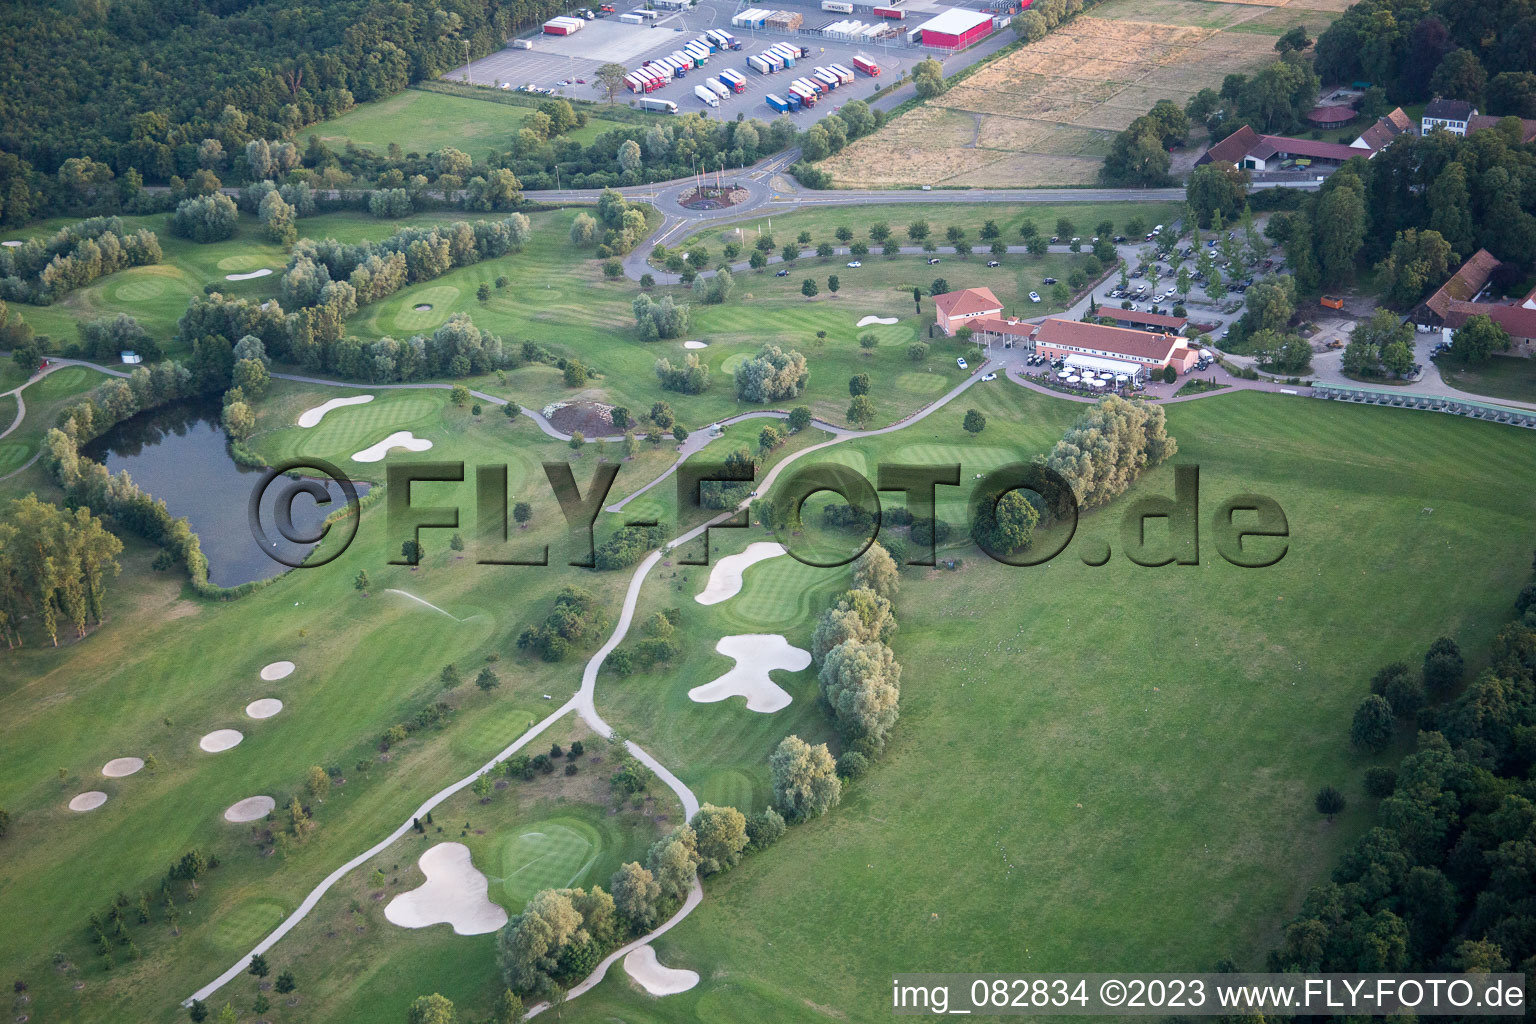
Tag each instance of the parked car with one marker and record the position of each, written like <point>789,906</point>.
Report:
<point>960,362</point>
<point>993,263</point>
<point>854,264</point>
<point>932,260</point>
<point>989,376</point>
<point>782,273</point>
<point>1034,296</point>
<point>1049,280</point>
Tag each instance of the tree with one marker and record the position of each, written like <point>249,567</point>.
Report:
<point>1417,259</point>
<point>861,683</point>
<point>619,417</point>
<point>1216,187</point>
<point>635,894</point>
<point>318,785</point>
<point>285,983</point>
<point>1329,801</point>
<point>508,1009</point>
<point>1339,229</point>
<point>608,79</point>
<point>1477,339</point>
<point>1460,76</point>
<point>805,782</point>
<point>433,1009</point>
<point>858,384</point>
<point>575,374</point>
<point>412,552</point>
<point>238,421</point>
<point>672,860</point>
<point>799,418</point>
<point>1294,40</point>
<point>721,834</point>
<point>522,512</point>
<point>928,78</point>
<point>528,946</point>
<point>487,680</point>
<point>198,1011</point>
<point>861,410</point>
<point>1372,727</point>
<point>258,966</point>
<point>808,288</point>
<point>875,570</point>
<point>868,342</point>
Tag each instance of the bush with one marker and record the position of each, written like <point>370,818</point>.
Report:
<point>852,765</point>
<point>1380,781</point>
<point>205,218</point>
<point>1329,801</point>
<point>765,828</point>
<point>1371,729</point>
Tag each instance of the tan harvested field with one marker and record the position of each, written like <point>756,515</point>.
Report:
<point>1047,113</point>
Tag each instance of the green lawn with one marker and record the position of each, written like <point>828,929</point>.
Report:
<point>422,122</point>
<point>1501,377</point>
<point>1097,768</point>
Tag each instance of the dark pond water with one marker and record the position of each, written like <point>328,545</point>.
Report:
<point>180,455</point>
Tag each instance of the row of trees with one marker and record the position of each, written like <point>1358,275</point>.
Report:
<point>45,268</point>
<point>54,566</point>
<point>1444,879</point>
<point>859,675</point>
<point>1104,452</point>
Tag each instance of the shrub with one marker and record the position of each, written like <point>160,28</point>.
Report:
<point>1329,801</point>
<point>1380,781</point>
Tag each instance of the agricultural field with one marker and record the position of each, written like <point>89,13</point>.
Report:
<point>1046,113</point>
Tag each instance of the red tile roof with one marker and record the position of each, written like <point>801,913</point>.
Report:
<point>967,302</point>
<point>1123,340</point>
<point>1271,145</point>
<point>1386,129</point>
<point>1331,115</point>
<point>1233,148</point>
<point>1173,323</point>
<point>1481,121</point>
<point>1017,328</point>
<point>1463,285</point>
<point>1517,320</point>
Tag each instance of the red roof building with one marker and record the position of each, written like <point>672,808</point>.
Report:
<point>1375,138</point>
<point>1463,286</point>
<point>1330,117</point>
<point>1145,321</point>
<point>955,308</point>
<point>1247,149</point>
<point>955,29</point>
<point>1062,339</point>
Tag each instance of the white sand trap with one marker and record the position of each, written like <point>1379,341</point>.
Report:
<point>756,655</point>
<point>693,344</point>
<point>122,767</point>
<point>264,708</point>
<point>399,439</point>
<point>657,979</point>
<point>277,670</point>
<point>875,320</point>
<point>312,417</point>
<point>455,893</point>
<point>263,272</point>
<point>725,576</point>
<point>221,739</point>
<point>252,808</point>
<point>88,801</point>
<point>12,243</point>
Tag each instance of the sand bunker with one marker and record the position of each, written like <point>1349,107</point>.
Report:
<point>312,417</point>
<point>725,576</point>
<point>399,439</point>
<point>88,801</point>
<point>455,893</point>
<point>263,272</point>
<point>121,767</point>
<point>756,655</point>
<point>221,739</point>
<point>264,708</point>
<point>657,979</point>
<point>252,808</point>
<point>13,243</point>
<point>277,670</point>
<point>875,320</point>
<point>695,344</point>
<point>422,307</point>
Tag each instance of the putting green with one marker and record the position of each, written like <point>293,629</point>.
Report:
<point>140,289</point>
<point>440,297</point>
<point>242,261</point>
<point>778,594</point>
<point>63,382</point>
<point>351,428</point>
<point>552,854</point>
<point>734,360</point>
<point>247,924</point>
<point>922,383</point>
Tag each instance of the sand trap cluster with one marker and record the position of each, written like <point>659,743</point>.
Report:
<point>725,575</point>
<point>277,670</point>
<point>122,767</point>
<point>875,320</point>
<point>312,417</point>
<point>657,979</point>
<point>263,272</point>
<point>455,893</point>
<point>88,801</point>
<point>221,739</point>
<point>264,708</point>
<point>695,344</point>
<point>399,439</point>
<point>756,654</point>
<point>252,808</point>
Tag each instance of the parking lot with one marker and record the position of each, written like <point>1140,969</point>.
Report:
<point>565,59</point>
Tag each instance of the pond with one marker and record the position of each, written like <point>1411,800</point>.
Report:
<point>180,455</point>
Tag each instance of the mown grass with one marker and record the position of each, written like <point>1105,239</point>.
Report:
<point>1500,377</point>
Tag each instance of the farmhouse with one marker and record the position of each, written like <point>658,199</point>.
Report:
<point>1447,115</point>
<point>1463,296</point>
<point>1067,339</point>
<point>1481,122</point>
<point>1375,138</point>
<point>954,29</point>
<point>1248,149</point>
<point>956,308</point>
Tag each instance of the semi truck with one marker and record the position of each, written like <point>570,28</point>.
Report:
<point>837,6</point>
<point>777,104</point>
<point>806,93</point>
<point>656,103</point>
<point>844,75</point>
<point>708,97</point>
<point>717,87</point>
<point>760,64</point>
<point>893,13</point>
<point>734,79</point>
<point>866,65</point>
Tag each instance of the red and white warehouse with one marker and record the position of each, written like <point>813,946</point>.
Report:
<point>955,29</point>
